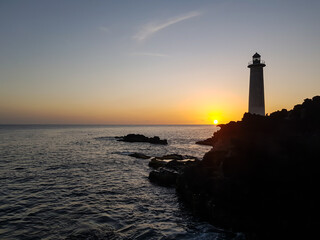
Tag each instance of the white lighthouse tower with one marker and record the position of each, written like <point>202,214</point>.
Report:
<point>256,89</point>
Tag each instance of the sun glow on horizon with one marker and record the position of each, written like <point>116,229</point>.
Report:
<point>215,122</point>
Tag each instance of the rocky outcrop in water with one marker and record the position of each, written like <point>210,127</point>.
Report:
<point>261,176</point>
<point>168,167</point>
<point>142,138</point>
<point>208,142</point>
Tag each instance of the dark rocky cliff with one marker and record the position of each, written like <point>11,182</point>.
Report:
<point>262,175</point>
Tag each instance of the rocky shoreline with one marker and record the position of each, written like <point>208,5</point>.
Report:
<point>169,167</point>
<point>261,177</point>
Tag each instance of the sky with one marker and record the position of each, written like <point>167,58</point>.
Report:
<point>152,62</point>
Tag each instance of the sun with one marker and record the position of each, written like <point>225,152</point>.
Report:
<point>215,121</point>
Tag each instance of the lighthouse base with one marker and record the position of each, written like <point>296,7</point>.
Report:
<point>257,110</point>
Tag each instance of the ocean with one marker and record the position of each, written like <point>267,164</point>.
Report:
<point>78,182</point>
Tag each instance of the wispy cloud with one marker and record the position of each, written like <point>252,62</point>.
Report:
<point>151,28</point>
<point>149,54</point>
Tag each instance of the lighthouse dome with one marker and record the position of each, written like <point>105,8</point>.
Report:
<point>256,55</point>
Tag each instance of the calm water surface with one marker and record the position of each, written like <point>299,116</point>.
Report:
<point>66,182</point>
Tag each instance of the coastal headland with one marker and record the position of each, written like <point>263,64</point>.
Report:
<point>261,177</point>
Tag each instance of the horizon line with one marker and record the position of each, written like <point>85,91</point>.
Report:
<point>98,124</point>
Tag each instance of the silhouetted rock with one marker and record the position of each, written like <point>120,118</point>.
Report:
<point>163,176</point>
<point>168,167</point>
<point>208,142</point>
<point>142,138</point>
<point>157,163</point>
<point>261,176</point>
<point>171,164</point>
<point>172,156</point>
<point>139,155</point>
<point>171,160</point>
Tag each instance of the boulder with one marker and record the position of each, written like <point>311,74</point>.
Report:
<point>172,161</point>
<point>172,156</point>
<point>178,165</point>
<point>163,176</point>
<point>157,163</point>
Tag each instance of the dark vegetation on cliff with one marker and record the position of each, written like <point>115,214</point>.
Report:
<point>262,176</point>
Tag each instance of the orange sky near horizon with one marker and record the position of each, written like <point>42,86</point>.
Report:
<point>194,110</point>
<point>168,62</point>
<point>187,113</point>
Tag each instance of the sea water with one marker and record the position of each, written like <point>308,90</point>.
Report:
<point>78,182</point>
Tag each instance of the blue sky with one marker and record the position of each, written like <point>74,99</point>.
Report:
<point>152,62</point>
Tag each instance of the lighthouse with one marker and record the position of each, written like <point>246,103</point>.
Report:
<point>256,88</point>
